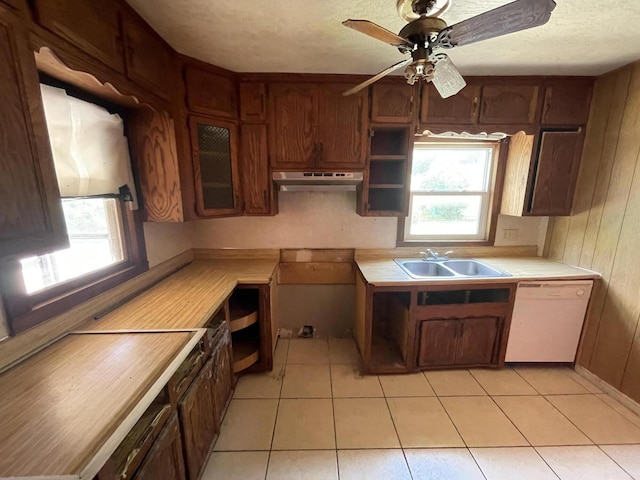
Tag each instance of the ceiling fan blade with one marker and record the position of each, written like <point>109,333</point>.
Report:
<point>374,79</point>
<point>378,32</point>
<point>510,18</point>
<point>447,78</point>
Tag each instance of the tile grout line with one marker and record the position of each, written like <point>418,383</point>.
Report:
<point>275,422</point>
<point>593,442</point>
<point>395,428</point>
<point>511,421</point>
<point>614,460</point>
<point>333,409</point>
<point>547,463</point>
<point>526,381</point>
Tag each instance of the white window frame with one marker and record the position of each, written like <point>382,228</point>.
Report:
<point>487,195</point>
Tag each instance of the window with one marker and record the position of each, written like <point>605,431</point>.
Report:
<point>95,233</point>
<point>451,192</point>
<point>106,243</point>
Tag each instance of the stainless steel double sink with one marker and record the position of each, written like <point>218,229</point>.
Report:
<point>448,269</point>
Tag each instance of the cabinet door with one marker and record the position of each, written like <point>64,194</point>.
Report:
<point>31,218</point>
<point>164,461</point>
<point>150,62</point>
<point>253,102</point>
<point>567,102</point>
<point>437,342</point>
<point>391,102</point>
<point>215,166</point>
<point>293,125</point>
<point>17,4</point>
<point>91,26</point>
<point>556,173</point>
<point>210,93</point>
<point>461,109</point>
<point>197,420</point>
<point>222,375</point>
<point>152,137</point>
<point>476,341</point>
<point>509,104</point>
<point>254,170</point>
<point>342,127</point>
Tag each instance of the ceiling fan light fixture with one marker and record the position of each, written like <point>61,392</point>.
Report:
<point>412,9</point>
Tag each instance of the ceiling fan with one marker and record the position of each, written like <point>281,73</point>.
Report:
<point>426,32</point>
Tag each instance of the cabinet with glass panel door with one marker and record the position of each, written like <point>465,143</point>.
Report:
<point>214,147</point>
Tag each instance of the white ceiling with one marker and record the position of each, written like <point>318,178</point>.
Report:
<point>583,37</point>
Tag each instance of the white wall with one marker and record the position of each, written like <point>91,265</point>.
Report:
<point>305,220</point>
<point>166,240</point>
<point>329,220</point>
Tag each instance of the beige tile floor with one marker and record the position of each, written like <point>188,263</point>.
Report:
<point>315,418</point>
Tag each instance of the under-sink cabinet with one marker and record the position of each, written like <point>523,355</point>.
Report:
<point>419,327</point>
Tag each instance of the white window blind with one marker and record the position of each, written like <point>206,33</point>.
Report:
<point>89,147</point>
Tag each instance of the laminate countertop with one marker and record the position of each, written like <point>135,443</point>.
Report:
<point>64,410</point>
<point>186,299</point>
<point>387,273</point>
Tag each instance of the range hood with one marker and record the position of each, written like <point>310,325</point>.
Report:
<point>317,181</point>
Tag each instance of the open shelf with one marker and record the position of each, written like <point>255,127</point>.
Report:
<point>388,163</point>
<point>387,172</point>
<point>246,347</point>
<point>389,141</point>
<point>388,158</point>
<point>386,199</point>
<point>243,309</point>
<point>386,185</point>
<point>390,323</point>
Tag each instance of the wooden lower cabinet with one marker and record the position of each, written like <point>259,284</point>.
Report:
<point>458,342</point>
<point>222,378</point>
<point>477,341</point>
<point>405,329</point>
<point>164,461</point>
<point>437,342</point>
<point>198,421</point>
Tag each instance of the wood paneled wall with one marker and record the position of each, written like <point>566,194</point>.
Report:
<point>603,232</point>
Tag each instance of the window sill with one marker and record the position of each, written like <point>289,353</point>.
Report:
<point>445,243</point>
<point>58,305</point>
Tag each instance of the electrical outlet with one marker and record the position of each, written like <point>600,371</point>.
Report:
<point>510,234</point>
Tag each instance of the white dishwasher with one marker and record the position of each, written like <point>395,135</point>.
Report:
<point>547,321</point>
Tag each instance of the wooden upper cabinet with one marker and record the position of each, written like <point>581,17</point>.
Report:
<point>293,125</point>
<point>214,147</point>
<point>150,61</point>
<point>342,127</point>
<point>152,138</point>
<point>92,26</point>
<point>164,461</point>
<point>567,102</point>
<point>509,104</point>
<point>254,168</point>
<point>253,102</point>
<point>211,93</point>
<point>461,109</point>
<point>17,4</point>
<point>391,102</point>
<point>31,217</point>
<point>556,173</point>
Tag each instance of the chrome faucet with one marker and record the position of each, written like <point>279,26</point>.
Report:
<point>435,256</point>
